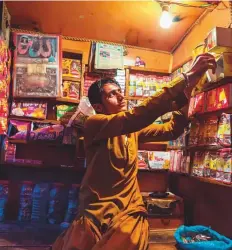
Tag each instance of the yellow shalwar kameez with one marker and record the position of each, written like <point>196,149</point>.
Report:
<point>112,215</point>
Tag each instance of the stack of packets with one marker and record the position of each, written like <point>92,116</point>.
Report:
<point>71,69</point>
<point>5,63</point>
<point>216,165</point>
<point>212,131</point>
<point>215,99</point>
<point>10,155</point>
<point>179,143</point>
<point>34,131</point>
<point>179,162</point>
<point>31,109</point>
<point>147,85</point>
<point>153,159</point>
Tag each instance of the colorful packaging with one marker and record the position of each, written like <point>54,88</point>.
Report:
<point>214,159</point>
<point>210,131</point>
<point>71,90</point>
<point>71,68</point>
<point>65,112</point>
<point>194,133</point>
<point>226,156</point>
<point>211,100</point>
<point>159,160</point>
<point>207,165</point>
<point>219,40</point>
<point>185,164</point>
<point>191,106</point>
<point>224,97</point>
<point>18,130</point>
<point>224,134</point>
<point>70,136</point>
<point>198,164</point>
<point>143,159</point>
<point>48,132</point>
<point>29,109</point>
<point>199,103</point>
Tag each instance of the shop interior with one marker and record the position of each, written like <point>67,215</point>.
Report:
<point>50,54</point>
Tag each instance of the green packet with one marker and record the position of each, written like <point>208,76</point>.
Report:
<point>65,112</point>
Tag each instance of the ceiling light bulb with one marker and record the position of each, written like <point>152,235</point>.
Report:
<point>166,18</point>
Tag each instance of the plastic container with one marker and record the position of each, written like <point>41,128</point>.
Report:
<point>4,187</point>
<point>25,205</point>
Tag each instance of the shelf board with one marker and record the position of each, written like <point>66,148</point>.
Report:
<point>144,69</point>
<point>67,100</point>
<point>41,142</point>
<point>153,146</point>
<point>206,114</point>
<point>43,166</point>
<point>212,181</point>
<point>69,78</point>
<point>46,99</point>
<point>204,147</point>
<point>152,170</point>
<point>30,119</point>
<point>203,179</point>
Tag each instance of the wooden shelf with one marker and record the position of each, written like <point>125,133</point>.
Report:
<point>30,119</point>
<point>144,69</point>
<point>69,78</point>
<point>67,100</point>
<point>204,147</point>
<point>208,180</point>
<point>153,146</point>
<point>152,170</point>
<point>43,142</point>
<point>43,166</point>
<point>47,99</point>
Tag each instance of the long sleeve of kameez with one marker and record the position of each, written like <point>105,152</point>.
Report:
<point>102,126</point>
<point>164,132</point>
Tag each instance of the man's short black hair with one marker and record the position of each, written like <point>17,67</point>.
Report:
<point>94,92</point>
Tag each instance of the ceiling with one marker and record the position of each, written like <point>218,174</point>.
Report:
<point>128,22</point>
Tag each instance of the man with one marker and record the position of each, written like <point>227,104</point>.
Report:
<point>112,215</point>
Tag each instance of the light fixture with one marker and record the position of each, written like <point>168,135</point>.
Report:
<point>166,18</point>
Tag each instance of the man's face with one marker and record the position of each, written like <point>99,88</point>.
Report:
<point>112,99</point>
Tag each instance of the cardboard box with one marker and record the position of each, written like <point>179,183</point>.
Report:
<point>224,68</point>
<point>219,40</point>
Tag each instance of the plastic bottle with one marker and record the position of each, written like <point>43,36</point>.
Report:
<point>25,205</point>
<point>4,186</point>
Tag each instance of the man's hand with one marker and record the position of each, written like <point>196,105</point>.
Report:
<point>200,65</point>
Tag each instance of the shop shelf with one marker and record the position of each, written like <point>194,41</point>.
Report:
<point>30,119</point>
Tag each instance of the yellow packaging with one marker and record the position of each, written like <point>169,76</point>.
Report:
<point>219,40</point>
<point>71,68</point>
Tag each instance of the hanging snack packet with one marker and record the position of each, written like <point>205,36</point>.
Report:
<point>84,110</point>
<point>226,159</point>
<point>210,131</point>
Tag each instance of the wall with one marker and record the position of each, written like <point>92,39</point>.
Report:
<point>158,61</point>
<point>219,17</point>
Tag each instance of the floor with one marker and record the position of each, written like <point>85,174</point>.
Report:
<point>23,236</point>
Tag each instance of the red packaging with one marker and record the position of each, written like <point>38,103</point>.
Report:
<point>199,103</point>
<point>211,100</point>
<point>210,131</point>
<point>191,106</point>
<point>143,159</point>
<point>224,97</point>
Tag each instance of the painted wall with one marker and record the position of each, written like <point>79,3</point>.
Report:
<point>154,60</point>
<point>219,17</point>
